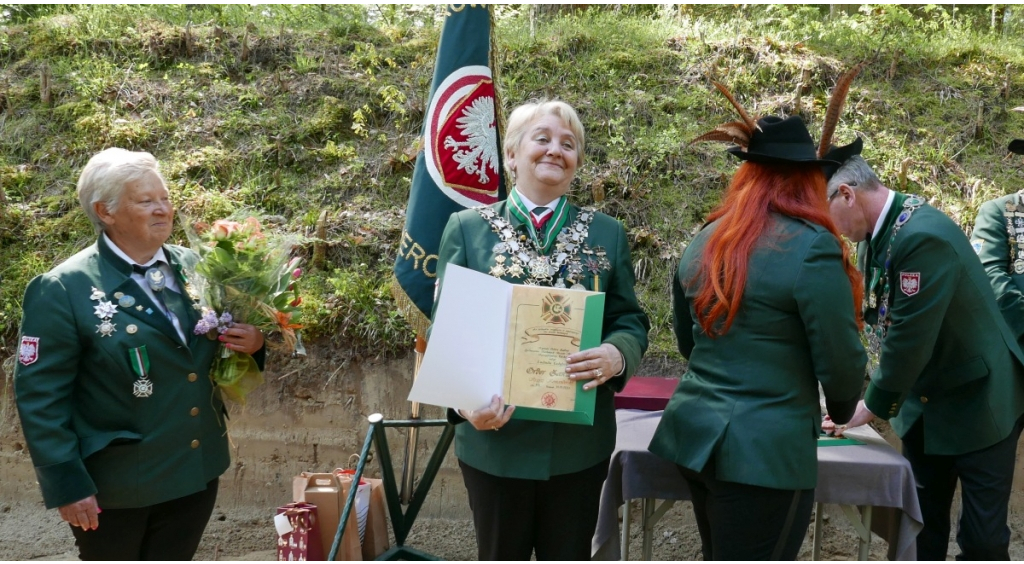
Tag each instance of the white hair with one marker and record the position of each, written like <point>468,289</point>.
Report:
<point>105,175</point>
<point>854,172</point>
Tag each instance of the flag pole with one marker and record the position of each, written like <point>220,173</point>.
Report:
<point>409,466</point>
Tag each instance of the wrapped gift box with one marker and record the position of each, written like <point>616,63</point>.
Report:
<point>649,393</point>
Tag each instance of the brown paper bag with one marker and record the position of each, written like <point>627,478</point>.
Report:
<point>375,538</point>
<point>328,492</point>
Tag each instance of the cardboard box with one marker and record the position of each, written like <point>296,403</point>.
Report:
<point>328,493</point>
<point>649,393</point>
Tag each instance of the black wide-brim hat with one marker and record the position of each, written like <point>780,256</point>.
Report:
<point>840,155</point>
<point>780,141</point>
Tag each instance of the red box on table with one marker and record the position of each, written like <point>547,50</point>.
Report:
<point>648,393</point>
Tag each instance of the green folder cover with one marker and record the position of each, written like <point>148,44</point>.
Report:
<point>828,441</point>
<point>583,411</point>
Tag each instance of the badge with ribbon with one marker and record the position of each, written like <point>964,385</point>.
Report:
<point>139,359</point>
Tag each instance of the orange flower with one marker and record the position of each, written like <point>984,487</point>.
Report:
<point>284,321</point>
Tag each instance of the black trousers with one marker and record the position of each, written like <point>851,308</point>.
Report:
<point>986,479</point>
<point>166,531</point>
<point>556,517</point>
<point>745,522</point>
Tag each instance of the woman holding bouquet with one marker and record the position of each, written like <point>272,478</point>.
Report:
<point>535,486</point>
<point>125,428</point>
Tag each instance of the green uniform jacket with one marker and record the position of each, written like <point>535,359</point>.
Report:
<point>538,450</point>
<point>86,431</point>
<point>749,399</point>
<point>949,358</point>
<point>991,240</point>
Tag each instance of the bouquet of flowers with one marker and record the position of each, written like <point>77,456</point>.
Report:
<point>243,275</point>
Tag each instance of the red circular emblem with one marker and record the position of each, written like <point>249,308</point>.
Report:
<point>549,399</point>
<point>461,137</point>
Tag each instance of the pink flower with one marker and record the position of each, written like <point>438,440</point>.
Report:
<point>223,229</point>
<point>297,273</point>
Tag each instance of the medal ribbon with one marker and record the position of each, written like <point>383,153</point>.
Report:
<point>139,360</point>
<point>546,239</point>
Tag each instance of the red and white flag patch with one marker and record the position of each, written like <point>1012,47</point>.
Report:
<point>910,282</point>
<point>29,350</point>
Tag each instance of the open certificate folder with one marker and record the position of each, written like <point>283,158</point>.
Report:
<point>491,337</point>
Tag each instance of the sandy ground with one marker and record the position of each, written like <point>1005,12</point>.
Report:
<point>31,533</point>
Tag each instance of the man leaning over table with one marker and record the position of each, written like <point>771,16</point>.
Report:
<point>951,374</point>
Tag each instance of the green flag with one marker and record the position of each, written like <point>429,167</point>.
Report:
<point>460,164</point>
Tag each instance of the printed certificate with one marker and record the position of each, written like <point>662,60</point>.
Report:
<point>492,337</point>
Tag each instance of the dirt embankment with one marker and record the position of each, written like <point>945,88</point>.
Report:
<point>311,415</point>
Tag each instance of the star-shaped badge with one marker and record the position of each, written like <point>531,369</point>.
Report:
<point>105,309</point>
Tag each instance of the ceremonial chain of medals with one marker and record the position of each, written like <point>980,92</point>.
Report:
<point>876,333</point>
<point>1014,223</point>
<point>519,256</point>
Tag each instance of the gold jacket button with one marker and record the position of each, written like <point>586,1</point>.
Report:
<point>924,399</point>
<point>194,411</point>
<point>192,377</point>
<point>195,444</point>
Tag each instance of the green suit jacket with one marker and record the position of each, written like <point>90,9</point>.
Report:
<point>949,358</point>
<point>538,450</point>
<point>86,431</point>
<point>748,402</point>
<point>991,240</point>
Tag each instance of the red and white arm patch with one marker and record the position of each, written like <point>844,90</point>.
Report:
<point>910,282</point>
<point>28,352</point>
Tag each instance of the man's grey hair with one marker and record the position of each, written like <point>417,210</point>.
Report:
<point>105,175</point>
<point>855,172</point>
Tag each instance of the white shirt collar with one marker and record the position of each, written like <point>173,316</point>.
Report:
<point>530,205</point>
<point>117,251</point>
<point>884,212</point>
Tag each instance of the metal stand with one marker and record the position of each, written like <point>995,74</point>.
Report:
<point>401,521</point>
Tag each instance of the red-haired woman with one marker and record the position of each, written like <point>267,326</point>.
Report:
<point>765,307</point>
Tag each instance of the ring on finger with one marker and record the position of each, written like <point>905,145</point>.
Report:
<point>598,372</point>
<point>494,427</point>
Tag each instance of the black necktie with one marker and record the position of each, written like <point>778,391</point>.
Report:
<point>171,301</point>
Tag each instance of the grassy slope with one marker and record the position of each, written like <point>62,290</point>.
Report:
<point>306,109</point>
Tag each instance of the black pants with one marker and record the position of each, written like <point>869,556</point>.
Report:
<point>744,522</point>
<point>986,478</point>
<point>166,531</point>
<point>556,517</point>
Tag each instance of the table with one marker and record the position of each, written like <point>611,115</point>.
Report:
<point>866,476</point>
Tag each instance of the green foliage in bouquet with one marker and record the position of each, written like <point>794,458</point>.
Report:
<point>244,275</point>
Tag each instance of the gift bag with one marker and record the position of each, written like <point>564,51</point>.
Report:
<point>371,514</point>
<point>298,533</point>
<point>328,492</point>
<point>375,540</point>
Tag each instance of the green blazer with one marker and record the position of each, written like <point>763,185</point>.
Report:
<point>748,402</point>
<point>949,358</point>
<point>991,240</point>
<point>538,450</point>
<point>86,431</point>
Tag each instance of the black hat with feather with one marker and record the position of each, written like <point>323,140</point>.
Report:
<point>768,140</point>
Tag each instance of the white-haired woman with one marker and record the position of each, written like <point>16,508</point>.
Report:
<point>535,486</point>
<point>125,428</point>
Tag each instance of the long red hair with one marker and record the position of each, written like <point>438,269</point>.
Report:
<point>757,191</point>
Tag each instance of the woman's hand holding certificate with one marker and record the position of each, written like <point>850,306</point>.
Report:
<point>599,364</point>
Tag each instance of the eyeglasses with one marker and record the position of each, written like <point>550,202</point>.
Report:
<point>836,191</point>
